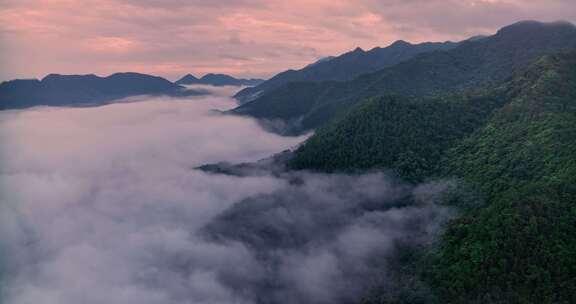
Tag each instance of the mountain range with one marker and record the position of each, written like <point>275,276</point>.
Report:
<point>218,80</point>
<point>493,115</point>
<point>483,61</point>
<point>511,147</point>
<point>81,90</point>
<point>346,66</point>
<point>496,116</point>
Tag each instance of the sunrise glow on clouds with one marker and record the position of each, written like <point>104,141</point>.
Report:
<point>249,38</point>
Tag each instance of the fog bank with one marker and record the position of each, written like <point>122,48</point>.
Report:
<point>102,205</point>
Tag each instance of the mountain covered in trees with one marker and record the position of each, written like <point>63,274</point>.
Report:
<point>80,90</point>
<point>481,62</point>
<point>511,147</point>
<point>496,115</point>
<point>346,66</point>
<point>521,246</point>
<point>411,134</point>
<point>218,80</point>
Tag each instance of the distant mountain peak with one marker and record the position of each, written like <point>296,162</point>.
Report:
<point>51,76</point>
<point>189,77</point>
<point>477,37</point>
<point>398,43</point>
<point>216,79</point>
<point>217,76</point>
<point>55,77</point>
<point>135,76</point>
<point>526,26</point>
<point>455,67</point>
<point>83,90</point>
<point>346,66</point>
<point>324,59</point>
<point>321,60</point>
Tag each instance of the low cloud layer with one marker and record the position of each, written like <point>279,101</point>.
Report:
<point>102,205</point>
<point>241,37</point>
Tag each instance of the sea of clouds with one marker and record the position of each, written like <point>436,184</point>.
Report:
<point>103,205</point>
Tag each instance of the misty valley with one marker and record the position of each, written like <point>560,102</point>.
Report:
<point>435,172</point>
<point>139,219</point>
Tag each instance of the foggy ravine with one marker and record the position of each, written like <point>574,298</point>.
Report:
<point>102,205</point>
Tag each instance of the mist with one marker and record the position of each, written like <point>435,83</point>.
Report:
<point>103,205</point>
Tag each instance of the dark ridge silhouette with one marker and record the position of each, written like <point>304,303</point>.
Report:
<point>346,66</point>
<point>83,90</point>
<point>473,63</point>
<point>218,80</point>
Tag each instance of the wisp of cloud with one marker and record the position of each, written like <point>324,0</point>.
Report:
<point>103,205</point>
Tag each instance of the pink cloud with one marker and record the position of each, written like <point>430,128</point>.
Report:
<point>111,44</point>
<point>242,37</point>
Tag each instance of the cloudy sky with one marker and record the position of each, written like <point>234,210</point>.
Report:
<point>239,37</point>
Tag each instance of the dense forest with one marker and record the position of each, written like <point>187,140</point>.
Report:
<point>515,145</point>
<point>406,134</point>
<point>522,247</point>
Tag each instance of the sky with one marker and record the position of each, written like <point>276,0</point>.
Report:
<point>244,38</point>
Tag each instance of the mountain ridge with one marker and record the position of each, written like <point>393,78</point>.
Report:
<point>472,63</point>
<point>346,66</point>
<point>80,90</point>
<point>218,80</point>
<point>511,148</point>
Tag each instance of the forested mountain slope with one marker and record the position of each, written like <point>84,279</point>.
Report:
<point>346,66</point>
<point>522,247</point>
<point>474,63</point>
<point>516,145</point>
<point>407,134</point>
